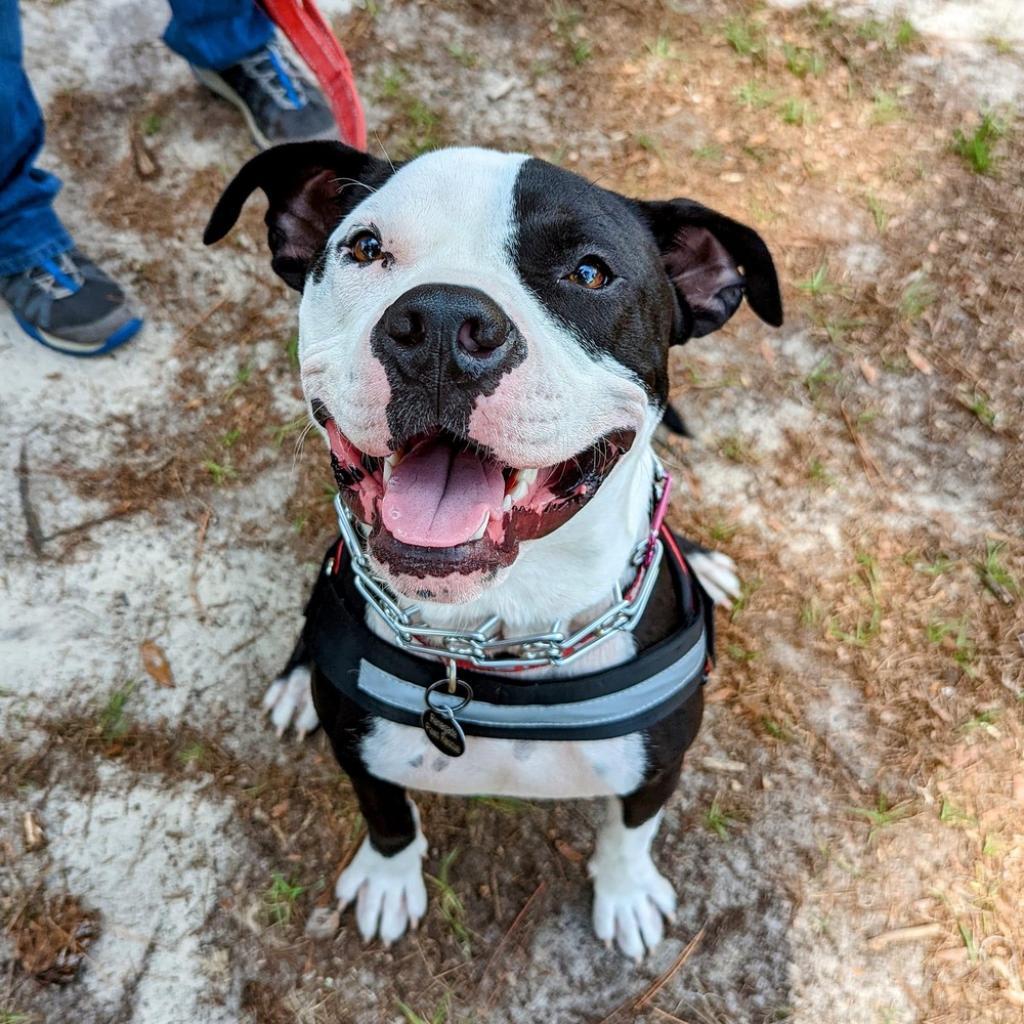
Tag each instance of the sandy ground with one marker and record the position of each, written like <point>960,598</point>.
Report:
<point>848,839</point>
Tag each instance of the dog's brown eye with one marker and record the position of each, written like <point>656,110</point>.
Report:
<point>591,273</point>
<point>366,247</point>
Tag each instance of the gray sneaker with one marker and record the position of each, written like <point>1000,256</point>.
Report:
<point>278,103</point>
<point>67,303</point>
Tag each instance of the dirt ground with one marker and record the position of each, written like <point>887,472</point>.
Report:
<point>848,838</point>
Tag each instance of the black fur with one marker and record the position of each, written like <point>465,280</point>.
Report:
<point>310,187</point>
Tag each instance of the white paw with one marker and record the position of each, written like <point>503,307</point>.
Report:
<point>389,891</point>
<point>631,902</point>
<point>717,575</point>
<point>289,701</point>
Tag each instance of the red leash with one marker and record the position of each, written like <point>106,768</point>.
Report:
<point>316,44</point>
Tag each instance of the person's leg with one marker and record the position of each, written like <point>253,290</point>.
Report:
<point>29,229</point>
<point>215,34</point>
<point>57,295</point>
<point>231,47</point>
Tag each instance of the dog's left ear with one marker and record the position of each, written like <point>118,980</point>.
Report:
<point>712,261</point>
<point>310,187</point>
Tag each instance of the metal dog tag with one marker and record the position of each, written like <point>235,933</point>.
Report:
<point>444,731</point>
<point>439,721</point>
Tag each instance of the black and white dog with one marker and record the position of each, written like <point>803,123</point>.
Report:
<point>484,340</point>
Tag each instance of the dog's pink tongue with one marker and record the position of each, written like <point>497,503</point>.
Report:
<point>437,498</point>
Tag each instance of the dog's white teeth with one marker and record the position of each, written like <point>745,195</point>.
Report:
<point>479,535</point>
<point>528,477</point>
<point>387,469</point>
<point>393,459</point>
<point>506,505</point>
<point>520,489</point>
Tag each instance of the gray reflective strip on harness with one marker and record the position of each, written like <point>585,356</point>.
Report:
<point>593,713</point>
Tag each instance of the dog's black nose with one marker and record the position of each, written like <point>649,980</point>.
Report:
<point>447,322</point>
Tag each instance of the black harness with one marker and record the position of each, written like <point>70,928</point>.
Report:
<point>405,688</point>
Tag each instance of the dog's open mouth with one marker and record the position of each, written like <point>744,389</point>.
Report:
<point>442,505</point>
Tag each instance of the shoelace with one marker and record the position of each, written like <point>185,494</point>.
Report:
<point>277,76</point>
<point>47,282</point>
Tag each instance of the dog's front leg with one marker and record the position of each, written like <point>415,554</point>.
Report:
<point>631,897</point>
<point>385,878</point>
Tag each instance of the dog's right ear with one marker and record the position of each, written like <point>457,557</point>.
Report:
<point>310,187</point>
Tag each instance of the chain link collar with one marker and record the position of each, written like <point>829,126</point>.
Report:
<point>484,647</point>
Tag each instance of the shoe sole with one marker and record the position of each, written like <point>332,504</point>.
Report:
<point>123,334</point>
<point>219,87</point>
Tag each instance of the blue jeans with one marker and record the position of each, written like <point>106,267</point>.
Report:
<point>208,33</point>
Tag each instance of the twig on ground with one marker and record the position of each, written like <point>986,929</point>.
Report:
<point>34,530</point>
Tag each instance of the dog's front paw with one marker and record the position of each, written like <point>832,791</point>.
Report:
<point>289,701</point>
<point>631,901</point>
<point>389,891</point>
<point>717,575</point>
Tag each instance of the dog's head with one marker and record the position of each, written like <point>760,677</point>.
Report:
<point>483,336</point>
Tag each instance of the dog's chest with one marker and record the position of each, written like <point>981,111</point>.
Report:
<point>502,767</point>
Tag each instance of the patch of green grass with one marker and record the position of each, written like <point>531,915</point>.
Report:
<point>280,898</point>
<point>950,814</point>
<point>963,649</point>
<point>878,213</point>
<point>812,612</point>
<point>193,753</point>
<point>822,376</point>
<point>775,729</point>
<point>151,124</point>
<point>796,111</point>
<point>452,909</point>
<point>975,149</point>
<point>651,145</point>
<point>284,430</point>
<point>711,152</point>
<point>581,51</point>
<point>818,283</point>
<point>982,720</point>
<point>220,472</point>
<point>803,61</point>
<point>291,350</point>
<point>113,722</point>
<point>885,108</point>
<point>838,327</point>
<point>994,574</point>
<point>882,815</point>
<point>662,48</point>
<point>865,629</point>
<point>755,95</point>
<point>894,34</point>
<point>967,937</point>
<point>505,804</point>
<point>741,654</point>
<point>721,530</point>
<point>439,1016</point>
<point>979,405</point>
<point>917,297</point>
<point>1000,45</point>
<point>818,474</point>
<point>465,57</point>
<point>746,37</point>
<point>242,377</point>
<point>10,1017</point>
<point>937,566</point>
<point>392,83</point>
<point>737,449</point>
<point>718,820</point>
<point>230,437</point>
<point>748,588</point>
